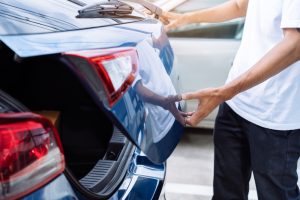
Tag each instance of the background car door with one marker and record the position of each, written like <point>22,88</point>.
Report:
<point>204,53</point>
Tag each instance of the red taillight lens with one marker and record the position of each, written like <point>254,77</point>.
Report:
<point>30,154</point>
<point>116,67</point>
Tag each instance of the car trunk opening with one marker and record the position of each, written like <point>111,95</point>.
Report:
<point>97,154</point>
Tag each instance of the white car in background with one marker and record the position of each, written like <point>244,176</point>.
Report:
<point>204,52</point>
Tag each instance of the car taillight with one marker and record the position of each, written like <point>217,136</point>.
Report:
<point>30,154</point>
<point>116,67</point>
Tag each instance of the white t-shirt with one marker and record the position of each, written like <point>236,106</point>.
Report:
<point>275,103</point>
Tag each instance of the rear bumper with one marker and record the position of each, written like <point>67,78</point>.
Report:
<point>143,180</point>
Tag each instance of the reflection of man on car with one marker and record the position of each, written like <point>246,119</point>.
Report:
<point>167,103</point>
<point>159,98</point>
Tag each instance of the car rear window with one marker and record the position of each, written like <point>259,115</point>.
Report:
<point>32,16</point>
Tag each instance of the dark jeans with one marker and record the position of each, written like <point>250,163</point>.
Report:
<point>242,147</point>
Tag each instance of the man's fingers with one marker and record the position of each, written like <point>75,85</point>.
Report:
<point>188,121</point>
<point>190,95</point>
<point>171,25</point>
<point>197,117</point>
<point>192,121</point>
<point>208,101</point>
<point>171,18</point>
<point>164,20</point>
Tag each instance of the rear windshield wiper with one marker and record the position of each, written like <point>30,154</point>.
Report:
<point>106,8</point>
<point>115,8</point>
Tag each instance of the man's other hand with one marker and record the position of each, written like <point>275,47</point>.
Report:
<point>173,20</point>
<point>208,99</point>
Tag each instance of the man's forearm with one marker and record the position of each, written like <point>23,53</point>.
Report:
<point>226,11</point>
<point>276,60</point>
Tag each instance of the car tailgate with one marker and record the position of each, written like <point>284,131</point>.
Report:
<point>150,127</point>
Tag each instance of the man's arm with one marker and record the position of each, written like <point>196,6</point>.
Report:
<point>276,60</point>
<point>229,10</point>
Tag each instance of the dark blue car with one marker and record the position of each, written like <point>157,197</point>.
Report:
<point>86,101</point>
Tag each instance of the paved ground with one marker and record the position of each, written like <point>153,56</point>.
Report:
<point>190,168</point>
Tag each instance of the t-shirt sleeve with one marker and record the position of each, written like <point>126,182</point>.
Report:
<point>290,14</point>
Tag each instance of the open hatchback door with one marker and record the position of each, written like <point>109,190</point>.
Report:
<point>131,85</point>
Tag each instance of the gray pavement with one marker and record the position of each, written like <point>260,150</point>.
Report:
<point>190,168</point>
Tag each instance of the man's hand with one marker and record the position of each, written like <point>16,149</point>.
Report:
<point>208,99</point>
<point>173,20</point>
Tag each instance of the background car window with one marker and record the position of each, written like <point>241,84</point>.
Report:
<point>225,30</point>
<point>228,30</point>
